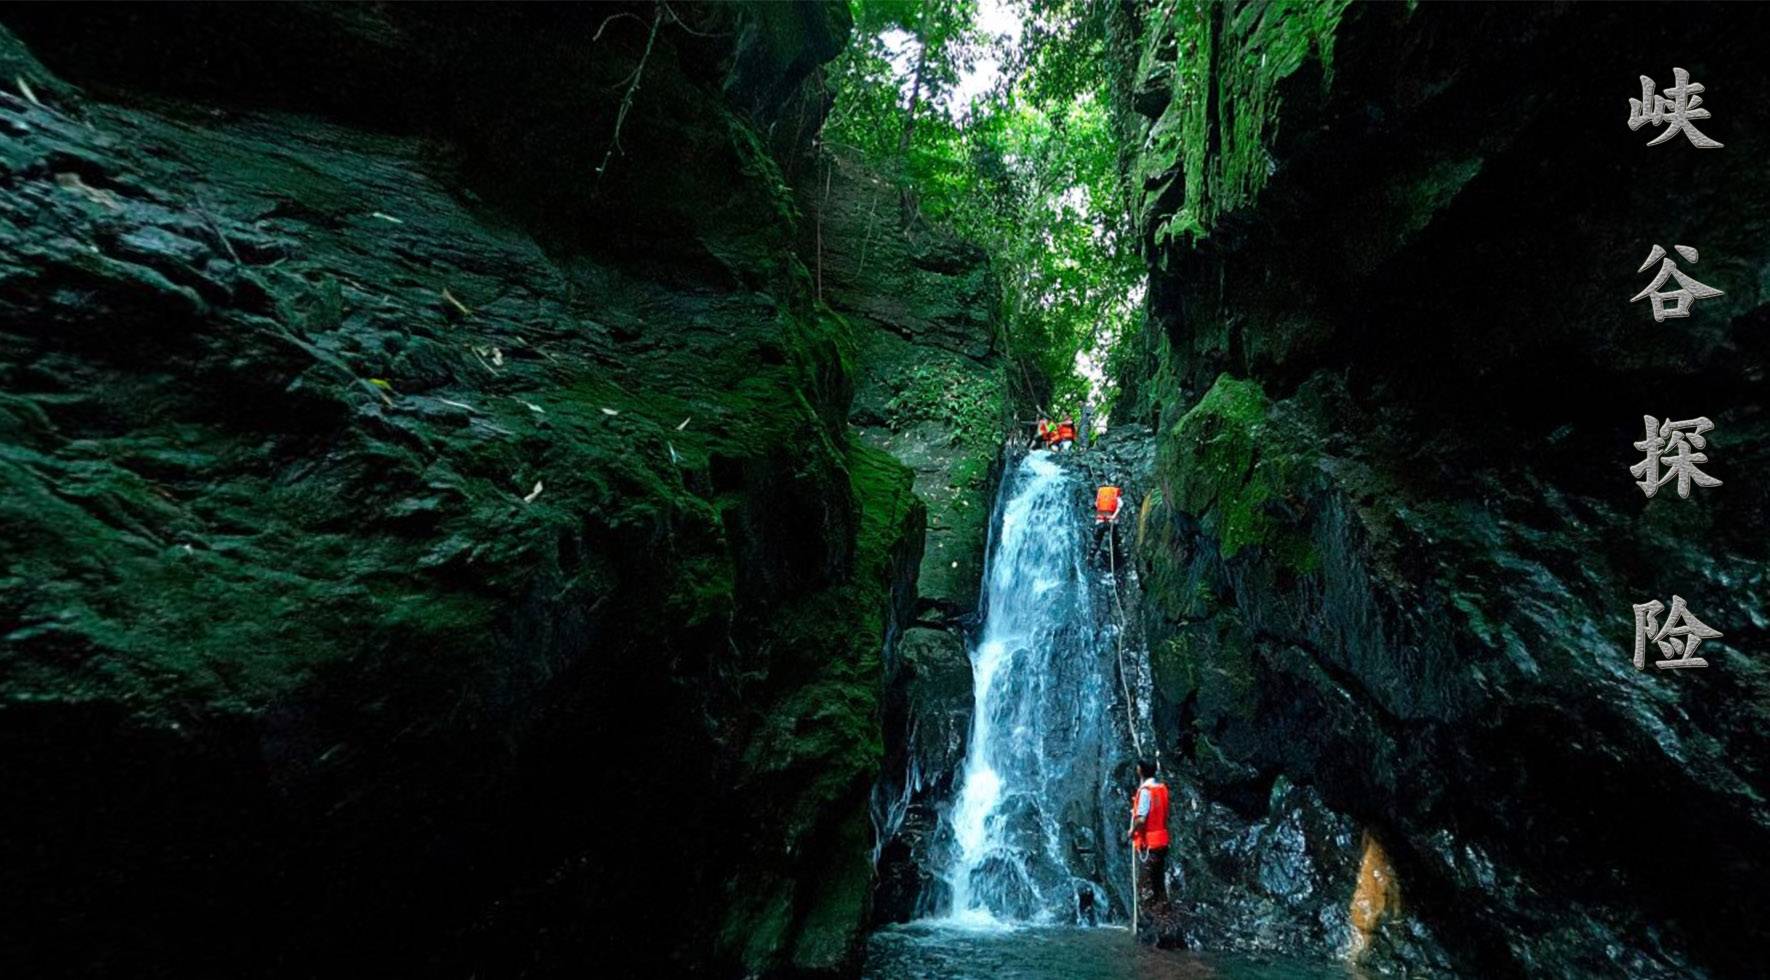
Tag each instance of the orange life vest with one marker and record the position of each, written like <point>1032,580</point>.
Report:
<point>1154,834</point>
<point>1066,430</point>
<point>1106,504</point>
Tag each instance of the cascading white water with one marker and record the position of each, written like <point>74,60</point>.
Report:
<point>1032,825</point>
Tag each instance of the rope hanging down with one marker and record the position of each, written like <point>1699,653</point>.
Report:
<point>1119,636</point>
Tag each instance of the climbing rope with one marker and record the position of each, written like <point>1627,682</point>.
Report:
<point>1119,636</point>
<point>1125,682</point>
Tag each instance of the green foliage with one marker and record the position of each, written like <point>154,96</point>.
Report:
<point>943,392</point>
<point>1028,168</point>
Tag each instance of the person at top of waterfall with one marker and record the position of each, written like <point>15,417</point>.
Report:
<point>1149,833</point>
<point>1043,439</point>
<point>1066,435</point>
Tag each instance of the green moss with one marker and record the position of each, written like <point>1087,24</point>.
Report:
<point>756,924</point>
<point>818,746</point>
<point>558,482</point>
<point>835,911</point>
<point>1172,666</point>
<point>1418,199</point>
<point>882,488</point>
<point>1227,464</point>
<point>756,163</point>
<point>1211,663</point>
<point>969,472</point>
<point>967,402</point>
<point>1229,60</point>
<point>943,414</point>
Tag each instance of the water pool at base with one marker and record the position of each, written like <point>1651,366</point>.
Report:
<point>937,950</point>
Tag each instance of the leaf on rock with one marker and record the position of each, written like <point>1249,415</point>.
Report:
<point>456,303</point>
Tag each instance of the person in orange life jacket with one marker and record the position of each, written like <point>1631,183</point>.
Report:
<point>1043,439</point>
<point>1108,501</point>
<point>1066,435</point>
<point>1149,834</point>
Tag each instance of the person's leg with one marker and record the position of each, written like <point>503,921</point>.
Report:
<point>1146,876</point>
<point>1158,875</point>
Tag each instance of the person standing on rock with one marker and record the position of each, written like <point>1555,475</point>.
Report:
<point>1149,834</point>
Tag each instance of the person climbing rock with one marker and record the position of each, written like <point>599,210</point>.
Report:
<point>1149,835</point>
<point>1066,435</point>
<point>1108,501</point>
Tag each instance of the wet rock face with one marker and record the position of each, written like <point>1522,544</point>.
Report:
<point>1396,378</point>
<point>928,389</point>
<point>928,379</point>
<point>927,722</point>
<point>421,550</point>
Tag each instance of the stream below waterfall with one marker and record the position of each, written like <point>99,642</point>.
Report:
<point>933,950</point>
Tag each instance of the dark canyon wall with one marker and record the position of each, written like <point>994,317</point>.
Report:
<point>434,536</point>
<point>1394,543</point>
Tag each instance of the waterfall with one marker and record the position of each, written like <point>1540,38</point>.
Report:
<point>1038,822</point>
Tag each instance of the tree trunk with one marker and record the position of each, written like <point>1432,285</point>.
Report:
<point>906,195</point>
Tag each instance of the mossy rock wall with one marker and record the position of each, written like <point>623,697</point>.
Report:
<point>929,384</point>
<point>434,537</point>
<point>930,391</point>
<point>1396,378</point>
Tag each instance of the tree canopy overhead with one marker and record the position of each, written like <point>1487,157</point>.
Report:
<point>991,117</point>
